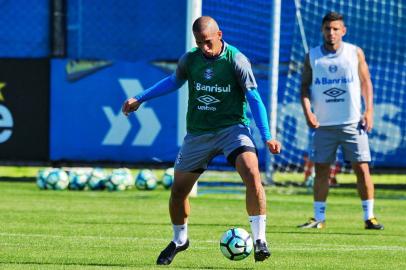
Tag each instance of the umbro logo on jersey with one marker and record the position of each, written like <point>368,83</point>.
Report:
<point>334,92</point>
<point>207,99</point>
<point>208,73</point>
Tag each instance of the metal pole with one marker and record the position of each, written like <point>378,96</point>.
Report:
<point>194,10</point>
<point>58,29</point>
<point>273,81</point>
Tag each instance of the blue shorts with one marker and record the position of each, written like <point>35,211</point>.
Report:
<point>351,137</point>
<point>198,150</point>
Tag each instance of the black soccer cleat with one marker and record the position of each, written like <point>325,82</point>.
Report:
<point>168,254</point>
<point>372,224</point>
<point>312,223</point>
<point>261,251</point>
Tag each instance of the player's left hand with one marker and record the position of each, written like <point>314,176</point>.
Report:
<point>274,146</point>
<point>368,121</point>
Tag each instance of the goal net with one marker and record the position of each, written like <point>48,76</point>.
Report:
<point>377,27</point>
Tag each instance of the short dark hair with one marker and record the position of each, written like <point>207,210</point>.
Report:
<point>332,16</point>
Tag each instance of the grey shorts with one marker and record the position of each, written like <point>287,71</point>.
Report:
<point>351,137</point>
<point>198,150</point>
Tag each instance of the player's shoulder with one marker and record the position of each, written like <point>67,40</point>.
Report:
<point>188,56</point>
<point>315,48</point>
<point>349,45</point>
<point>230,48</point>
<point>352,47</point>
<point>314,53</point>
<point>192,52</point>
<point>235,55</point>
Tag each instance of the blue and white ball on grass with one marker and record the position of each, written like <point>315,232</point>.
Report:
<point>168,177</point>
<point>57,179</point>
<point>236,244</point>
<point>146,180</point>
<point>42,175</point>
<point>78,179</point>
<point>97,179</point>
<point>120,179</point>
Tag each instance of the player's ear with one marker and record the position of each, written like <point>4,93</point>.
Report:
<point>344,30</point>
<point>219,34</point>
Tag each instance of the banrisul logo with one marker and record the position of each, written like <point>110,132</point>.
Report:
<point>329,81</point>
<point>207,100</point>
<point>208,73</point>
<point>212,88</point>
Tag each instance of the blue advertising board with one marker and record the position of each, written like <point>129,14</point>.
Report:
<point>86,119</point>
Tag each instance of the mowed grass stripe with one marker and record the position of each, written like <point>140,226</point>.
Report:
<point>127,230</point>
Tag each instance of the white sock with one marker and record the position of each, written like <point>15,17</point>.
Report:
<point>368,208</point>
<point>319,211</point>
<point>258,225</point>
<point>179,234</point>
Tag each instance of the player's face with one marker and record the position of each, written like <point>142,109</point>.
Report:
<point>333,32</point>
<point>209,42</point>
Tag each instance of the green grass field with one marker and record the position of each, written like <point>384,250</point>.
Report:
<point>127,230</point>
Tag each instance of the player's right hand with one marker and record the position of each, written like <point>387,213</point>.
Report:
<point>274,146</point>
<point>130,105</point>
<point>312,120</point>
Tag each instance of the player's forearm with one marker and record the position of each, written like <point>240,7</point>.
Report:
<point>306,104</point>
<point>367,94</point>
<point>163,87</point>
<point>366,83</point>
<point>259,113</point>
<point>307,76</point>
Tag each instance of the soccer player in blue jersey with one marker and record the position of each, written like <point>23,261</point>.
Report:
<point>221,83</point>
<point>334,78</point>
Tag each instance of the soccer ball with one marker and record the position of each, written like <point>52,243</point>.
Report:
<point>42,178</point>
<point>120,179</point>
<point>57,179</point>
<point>78,179</point>
<point>236,244</point>
<point>97,179</point>
<point>146,180</point>
<point>167,178</point>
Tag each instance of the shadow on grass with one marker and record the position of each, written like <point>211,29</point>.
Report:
<point>117,265</point>
<point>158,223</point>
<point>326,232</point>
<point>24,179</point>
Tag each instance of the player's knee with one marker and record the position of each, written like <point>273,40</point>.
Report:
<point>179,192</point>
<point>252,179</point>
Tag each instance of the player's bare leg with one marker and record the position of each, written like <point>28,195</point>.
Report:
<point>320,192</point>
<point>364,182</point>
<point>247,166</point>
<point>179,210</point>
<point>321,185</point>
<point>179,207</point>
<point>366,192</point>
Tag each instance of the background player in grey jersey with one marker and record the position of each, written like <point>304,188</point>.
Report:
<point>335,76</point>
<point>221,82</point>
